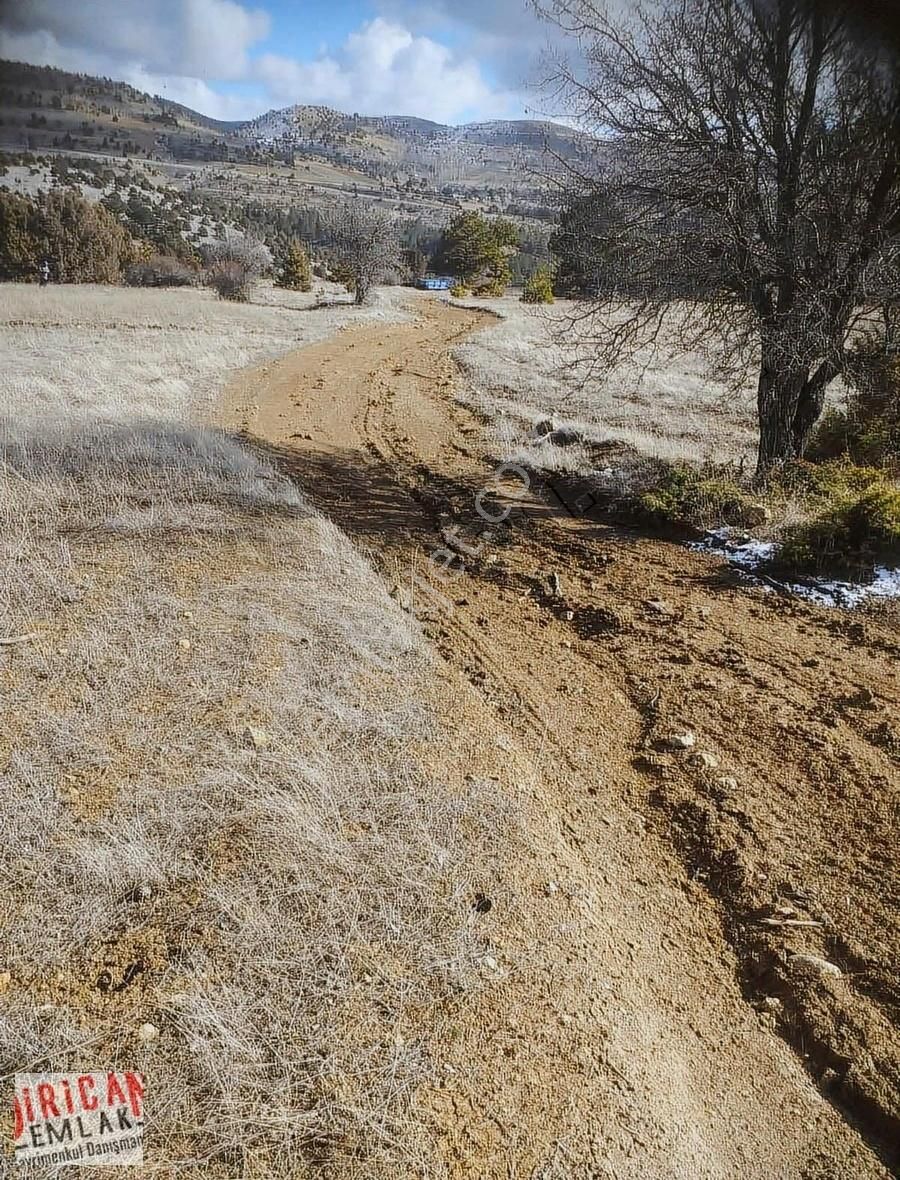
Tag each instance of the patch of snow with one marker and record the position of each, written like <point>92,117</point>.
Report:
<point>26,179</point>
<point>747,554</point>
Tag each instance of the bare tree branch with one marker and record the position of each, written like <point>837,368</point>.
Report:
<point>744,183</point>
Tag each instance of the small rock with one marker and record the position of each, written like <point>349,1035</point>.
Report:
<point>771,1004</point>
<point>554,582</point>
<point>817,964</point>
<point>256,737</point>
<point>147,1033</point>
<point>490,963</point>
<point>727,783</point>
<point>569,616</point>
<point>703,759</point>
<point>564,438</point>
<point>659,606</point>
<point>550,888</point>
<point>754,515</point>
<point>680,740</point>
<point>5,981</point>
<point>184,644</point>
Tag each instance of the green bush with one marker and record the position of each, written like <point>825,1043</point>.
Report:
<point>19,231</point>
<point>684,496</point>
<point>82,241</point>
<point>459,290</point>
<point>295,272</point>
<point>340,272</point>
<point>868,429</point>
<point>824,483</point>
<point>856,531</point>
<point>539,287</point>
<point>491,289</point>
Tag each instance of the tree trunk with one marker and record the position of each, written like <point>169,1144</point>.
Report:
<point>778,397</point>
<point>789,405</point>
<point>809,410</point>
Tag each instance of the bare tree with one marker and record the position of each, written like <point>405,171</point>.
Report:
<point>234,263</point>
<point>365,244</point>
<point>750,152</point>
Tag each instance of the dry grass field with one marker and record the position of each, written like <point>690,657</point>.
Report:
<point>664,402</point>
<point>219,860</point>
<point>124,353</point>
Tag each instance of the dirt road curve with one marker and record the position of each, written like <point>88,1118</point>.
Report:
<point>656,1020</point>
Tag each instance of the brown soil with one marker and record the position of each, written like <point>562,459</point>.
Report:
<point>650,1016</point>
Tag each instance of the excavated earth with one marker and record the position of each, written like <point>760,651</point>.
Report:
<point>700,960</point>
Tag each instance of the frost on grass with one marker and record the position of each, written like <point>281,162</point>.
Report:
<point>293,912</point>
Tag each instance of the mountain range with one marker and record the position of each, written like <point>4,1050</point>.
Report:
<point>42,107</point>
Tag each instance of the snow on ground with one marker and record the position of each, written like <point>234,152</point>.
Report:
<point>751,555</point>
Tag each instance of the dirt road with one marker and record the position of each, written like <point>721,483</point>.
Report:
<point>698,968</point>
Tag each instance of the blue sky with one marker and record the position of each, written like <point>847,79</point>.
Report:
<point>448,60</point>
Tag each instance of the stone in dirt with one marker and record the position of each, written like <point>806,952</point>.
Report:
<point>256,737</point>
<point>704,759</point>
<point>660,607</point>
<point>816,963</point>
<point>682,739</point>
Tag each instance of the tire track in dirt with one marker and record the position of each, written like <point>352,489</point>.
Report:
<point>582,681</point>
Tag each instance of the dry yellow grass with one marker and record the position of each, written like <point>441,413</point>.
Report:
<point>212,820</point>
<point>119,353</point>
<point>664,402</point>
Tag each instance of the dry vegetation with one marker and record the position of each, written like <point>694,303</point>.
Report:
<point>212,821</point>
<point>119,354</point>
<point>667,441</point>
<point>664,403</point>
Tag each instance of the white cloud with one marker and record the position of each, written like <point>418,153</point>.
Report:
<point>384,69</point>
<point>184,48</point>
<point>189,38</point>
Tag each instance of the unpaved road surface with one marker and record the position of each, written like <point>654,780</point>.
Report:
<point>662,1008</point>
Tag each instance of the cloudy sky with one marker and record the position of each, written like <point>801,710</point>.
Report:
<point>449,60</point>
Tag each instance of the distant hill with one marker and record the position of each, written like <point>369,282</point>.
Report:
<point>42,107</point>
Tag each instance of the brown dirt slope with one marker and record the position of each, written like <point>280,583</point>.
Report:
<point>661,1007</point>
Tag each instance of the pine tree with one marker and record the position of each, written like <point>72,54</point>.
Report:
<point>538,286</point>
<point>295,271</point>
<point>476,250</point>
